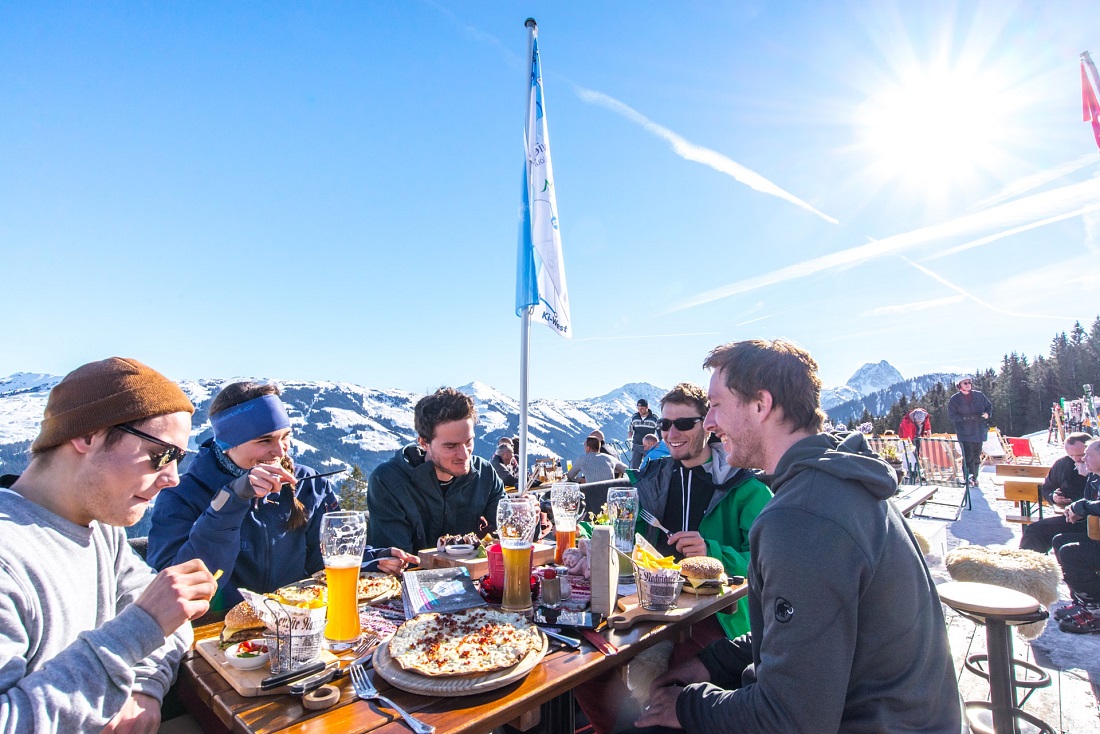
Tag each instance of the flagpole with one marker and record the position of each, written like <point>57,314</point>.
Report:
<point>525,321</point>
<point>1087,58</point>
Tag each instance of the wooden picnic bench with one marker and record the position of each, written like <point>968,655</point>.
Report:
<point>913,497</point>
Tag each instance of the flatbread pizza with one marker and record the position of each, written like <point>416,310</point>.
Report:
<point>466,643</point>
<point>374,585</point>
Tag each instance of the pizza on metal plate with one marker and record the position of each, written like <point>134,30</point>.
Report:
<point>473,641</point>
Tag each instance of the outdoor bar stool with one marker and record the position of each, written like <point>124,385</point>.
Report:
<point>998,609</point>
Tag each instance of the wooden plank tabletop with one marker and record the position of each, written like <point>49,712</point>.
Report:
<point>217,707</point>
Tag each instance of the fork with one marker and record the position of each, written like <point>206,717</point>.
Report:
<point>650,519</point>
<point>366,690</point>
<point>366,642</point>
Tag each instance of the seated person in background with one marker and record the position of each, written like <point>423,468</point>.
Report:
<point>1064,485</point>
<point>708,505</point>
<point>1079,554</point>
<point>221,512</point>
<point>437,486</point>
<point>89,636</point>
<point>505,464</point>
<point>594,466</point>
<point>655,448</point>
<point>605,447</point>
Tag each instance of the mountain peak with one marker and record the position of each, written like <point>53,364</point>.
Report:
<point>874,376</point>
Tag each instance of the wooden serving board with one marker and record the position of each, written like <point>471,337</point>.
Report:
<point>633,611</point>
<point>244,682</point>
<point>541,554</point>
<point>455,685</point>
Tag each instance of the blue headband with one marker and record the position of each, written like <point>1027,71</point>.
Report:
<point>247,421</point>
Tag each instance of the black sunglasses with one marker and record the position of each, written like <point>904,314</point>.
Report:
<point>160,459</point>
<point>682,424</point>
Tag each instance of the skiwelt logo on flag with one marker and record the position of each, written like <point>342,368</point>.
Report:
<point>540,282</point>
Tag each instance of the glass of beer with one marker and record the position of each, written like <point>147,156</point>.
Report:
<point>343,537</point>
<point>622,509</point>
<point>517,520</point>
<point>567,504</point>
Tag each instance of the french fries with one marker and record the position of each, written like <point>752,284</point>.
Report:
<point>650,561</point>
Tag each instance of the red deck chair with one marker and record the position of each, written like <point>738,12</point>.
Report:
<point>1022,451</point>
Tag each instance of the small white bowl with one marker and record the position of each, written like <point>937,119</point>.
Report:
<point>459,550</point>
<point>234,658</point>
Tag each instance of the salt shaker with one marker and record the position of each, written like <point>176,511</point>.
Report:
<point>551,589</point>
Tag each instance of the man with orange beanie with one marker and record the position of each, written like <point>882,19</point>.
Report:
<point>89,636</point>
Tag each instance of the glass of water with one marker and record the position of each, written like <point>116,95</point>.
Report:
<point>622,509</point>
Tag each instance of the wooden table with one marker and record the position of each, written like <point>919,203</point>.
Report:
<point>218,708</point>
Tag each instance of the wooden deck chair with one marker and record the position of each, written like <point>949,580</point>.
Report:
<point>1022,450</point>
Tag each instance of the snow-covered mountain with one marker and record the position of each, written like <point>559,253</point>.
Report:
<point>338,423</point>
<point>866,380</point>
<point>879,402</point>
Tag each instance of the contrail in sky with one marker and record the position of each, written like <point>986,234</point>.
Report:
<point>1035,180</point>
<point>911,307</point>
<point>1049,205</point>
<point>697,153</point>
<point>944,281</point>
<point>644,336</point>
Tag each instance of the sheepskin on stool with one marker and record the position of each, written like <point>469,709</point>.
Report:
<point>1035,574</point>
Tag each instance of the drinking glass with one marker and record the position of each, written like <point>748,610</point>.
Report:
<point>517,520</point>
<point>622,509</point>
<point>343,537</point>
<point>567,504</point>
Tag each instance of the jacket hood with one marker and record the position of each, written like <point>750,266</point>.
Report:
<point>842,455</point>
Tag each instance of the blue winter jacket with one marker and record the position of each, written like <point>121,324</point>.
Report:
<point>966,413</point>
<point>247,539</point>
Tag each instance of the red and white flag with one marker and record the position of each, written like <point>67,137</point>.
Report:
<point>1089,104</point>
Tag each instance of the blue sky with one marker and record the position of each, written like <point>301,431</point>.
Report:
<point>330,191</point>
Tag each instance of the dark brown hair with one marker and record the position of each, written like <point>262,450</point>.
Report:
<point>443,406</point>
<point>785,370</point>
<point>592,443</point>
<point>241,392</point>
<point>1079,437</point>
<point>687,393</point>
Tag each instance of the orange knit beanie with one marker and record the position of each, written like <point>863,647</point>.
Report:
<point>103,394</point>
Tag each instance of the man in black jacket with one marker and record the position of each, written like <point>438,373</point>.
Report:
<point>436,486</point>
<point>1079,555</point>
<point>642,424</point>
<point>1064,485</point>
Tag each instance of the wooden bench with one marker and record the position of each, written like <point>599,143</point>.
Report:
<point>913,497</point>
<point>1024,491</point>
<point>1022,471</point>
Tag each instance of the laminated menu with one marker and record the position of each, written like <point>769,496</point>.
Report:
<point>438,590</point>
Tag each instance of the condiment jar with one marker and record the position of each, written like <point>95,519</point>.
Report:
<point>550,589</point>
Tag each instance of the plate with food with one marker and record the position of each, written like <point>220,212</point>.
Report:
<point>459,546</point>
<point>310,594</point>
<point>460,654</point>
<point>373,587</point>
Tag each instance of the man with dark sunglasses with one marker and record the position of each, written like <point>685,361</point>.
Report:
<point>89,636</point>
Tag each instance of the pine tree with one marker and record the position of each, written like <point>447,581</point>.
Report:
<point>352,492</point>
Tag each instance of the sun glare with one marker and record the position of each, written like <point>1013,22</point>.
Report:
<point>935,128</point>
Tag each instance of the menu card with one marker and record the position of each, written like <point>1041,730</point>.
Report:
<point>439,590</point>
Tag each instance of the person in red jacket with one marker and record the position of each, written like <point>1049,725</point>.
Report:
<point>914,425</point>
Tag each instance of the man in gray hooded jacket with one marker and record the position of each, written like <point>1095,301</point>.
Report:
<point>846,629</point>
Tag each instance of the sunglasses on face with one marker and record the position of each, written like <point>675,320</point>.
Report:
<point>966,382</point>
<point>682,424</point>
<point>160,459</point>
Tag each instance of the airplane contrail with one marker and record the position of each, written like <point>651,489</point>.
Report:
<point>697,153</point>
<point>1049,205</point>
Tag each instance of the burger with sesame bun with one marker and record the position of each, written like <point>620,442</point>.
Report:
<point>241,623</point>
<point>704,575</point>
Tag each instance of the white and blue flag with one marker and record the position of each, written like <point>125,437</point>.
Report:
<point>540,277</point>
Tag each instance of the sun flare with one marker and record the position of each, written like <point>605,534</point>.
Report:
<point>935,127</point>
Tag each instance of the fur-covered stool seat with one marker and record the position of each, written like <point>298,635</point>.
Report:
<point>1034,574</point>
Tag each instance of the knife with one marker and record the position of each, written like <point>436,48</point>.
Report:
<point>274,681</point>
<point>598,641</point>
<point>572,642</point>
<point>306,685</point>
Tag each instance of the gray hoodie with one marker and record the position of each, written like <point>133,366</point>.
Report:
<point>846,626</point>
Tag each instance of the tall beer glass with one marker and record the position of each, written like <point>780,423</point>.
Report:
<point>622,508</point>
<point>343,537</point>
<point>567,504</point>
<point>517,520</point>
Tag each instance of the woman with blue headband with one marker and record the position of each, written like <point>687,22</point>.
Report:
<point>244,507</point>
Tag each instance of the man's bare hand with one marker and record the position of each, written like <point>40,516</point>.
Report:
<point>398,561</point>
<point>1071,516</point>
<point>178,594</point>
<point>269,478</point>
<point>139,715</point>
<point>660,710</point>
<point>1060,499</point>
<point>688,543</point>
<point>693,671</point>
